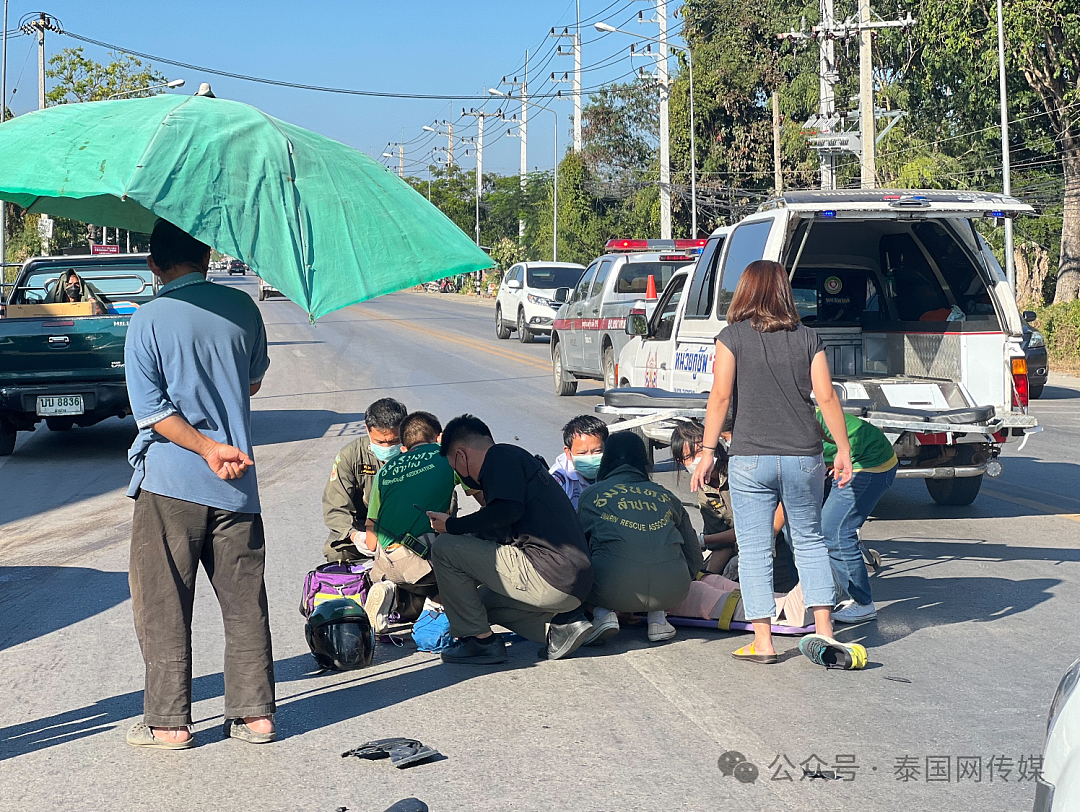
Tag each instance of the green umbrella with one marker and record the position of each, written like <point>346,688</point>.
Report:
<point>323,223</point>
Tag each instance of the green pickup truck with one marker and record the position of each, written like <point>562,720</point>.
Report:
<point>64,363</point>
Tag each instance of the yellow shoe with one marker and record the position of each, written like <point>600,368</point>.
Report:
<point>832,653</point>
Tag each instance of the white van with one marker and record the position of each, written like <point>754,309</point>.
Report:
<point>921,329</point>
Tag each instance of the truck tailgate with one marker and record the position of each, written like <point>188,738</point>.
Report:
<point>62,349</point>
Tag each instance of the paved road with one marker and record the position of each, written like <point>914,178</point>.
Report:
<point>977,623</point>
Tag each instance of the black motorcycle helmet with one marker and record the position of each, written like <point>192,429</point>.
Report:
<point>340,636</point>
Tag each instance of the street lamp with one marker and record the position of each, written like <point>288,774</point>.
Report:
<point>171,85</point>
<point>555,187</point>
<point>610,29</point>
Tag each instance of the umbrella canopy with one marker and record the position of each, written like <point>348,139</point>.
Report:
<point>323,223</point>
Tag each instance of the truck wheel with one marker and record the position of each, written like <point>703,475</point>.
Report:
<point>59,423</point>
<point>609,368</point>
<point>7,437</point>
<point>525,335</point>
<point>563,385</point>
<point>955,492</point>
<point>501,329</point>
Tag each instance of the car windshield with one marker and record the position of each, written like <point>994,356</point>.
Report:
<point>634,276</point>
<point>550,277</point>
<point>128,282</point>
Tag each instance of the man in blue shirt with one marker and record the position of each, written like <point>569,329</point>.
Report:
<point>194,357</point>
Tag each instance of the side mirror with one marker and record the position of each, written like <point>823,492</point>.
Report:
<point>1029,316</point>
<point>637,324</point>
<point>562,295</point>
<point>514,284</point>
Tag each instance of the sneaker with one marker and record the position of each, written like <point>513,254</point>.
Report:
<point>379,604</point>
<point>473,651</point>
<point>659,632</point>
<point>604,627</point>
<point>822,650</point>
<point>851,612</point>
<point>566,638</point>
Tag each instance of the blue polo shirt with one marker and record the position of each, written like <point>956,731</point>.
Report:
<point>194,350</point>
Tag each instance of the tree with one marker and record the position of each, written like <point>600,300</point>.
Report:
<point>620,130</point>
<point>77,78</point>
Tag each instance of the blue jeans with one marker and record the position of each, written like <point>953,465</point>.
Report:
<point>758,484</point>
<point>845,511</point>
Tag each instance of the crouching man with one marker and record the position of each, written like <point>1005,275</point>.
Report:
<point>518,561</point>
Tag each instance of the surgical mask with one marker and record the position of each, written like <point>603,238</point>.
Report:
<point>385,453</point>
<point>466,480</point>
<point>691,466</point>
<point>73,291</point>
<point>588,465</point>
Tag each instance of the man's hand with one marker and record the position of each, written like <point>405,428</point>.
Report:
<point>227,461</point>
<point>438,521</point>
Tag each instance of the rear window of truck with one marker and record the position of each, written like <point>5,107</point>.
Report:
<point>131,282</point>
<point>634,276</point>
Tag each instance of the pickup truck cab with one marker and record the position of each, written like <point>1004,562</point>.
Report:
<point>920,327</point>
<point>590,328</point>
<point>64,363</point>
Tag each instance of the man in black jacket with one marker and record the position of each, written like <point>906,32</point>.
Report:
<point>518,561</point>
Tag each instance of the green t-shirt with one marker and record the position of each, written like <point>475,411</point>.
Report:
<point>870,448</point>
<point>418,477</point>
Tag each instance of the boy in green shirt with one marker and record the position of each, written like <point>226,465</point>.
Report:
<point>847,509</point>
<point>398,529</point>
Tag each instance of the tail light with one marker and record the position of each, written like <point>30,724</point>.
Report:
<point>1019,383</point>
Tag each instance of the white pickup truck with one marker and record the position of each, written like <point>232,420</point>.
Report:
<point>920,327</point>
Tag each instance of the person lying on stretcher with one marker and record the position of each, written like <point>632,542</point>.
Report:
<point>714,502</point>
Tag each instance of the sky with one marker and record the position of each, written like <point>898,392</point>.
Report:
<point>416,46</point>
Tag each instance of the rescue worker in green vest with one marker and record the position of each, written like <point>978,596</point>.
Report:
<point>399,531</point>
<point>645,551</point>
<point>346,496</point>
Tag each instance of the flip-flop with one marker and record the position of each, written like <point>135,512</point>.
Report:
<point>238,729</point>
<point>747,654</point>
<point>142,735</point>
<point>831,653</point>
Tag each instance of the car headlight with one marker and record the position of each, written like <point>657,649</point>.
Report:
<point>1037,339</point>
<point>1061,695</point>
<point>540,300</point>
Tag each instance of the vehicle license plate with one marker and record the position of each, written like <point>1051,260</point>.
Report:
<point>48,405</point>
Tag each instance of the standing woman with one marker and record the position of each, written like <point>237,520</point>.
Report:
<point>769,363</point>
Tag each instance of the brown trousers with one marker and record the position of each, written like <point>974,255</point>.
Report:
<point>169,538</point>
<point>406,569</point>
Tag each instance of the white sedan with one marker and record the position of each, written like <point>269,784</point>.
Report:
<point>1058,789</point>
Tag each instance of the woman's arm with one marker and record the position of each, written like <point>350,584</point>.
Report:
<point>715,412</point>
<point>833,413</point>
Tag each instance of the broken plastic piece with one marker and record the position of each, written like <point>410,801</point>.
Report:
<point>402,752</point>
<point>409,805</point>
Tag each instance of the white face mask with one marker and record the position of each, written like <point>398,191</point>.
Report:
<point>692,465</point>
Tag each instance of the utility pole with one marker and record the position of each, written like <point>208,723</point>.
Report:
<point>1006,168</point>
<point>661,77</point>
<point>830,136</point>
<point>778,175</point>
<point>479,115</point>
<point>523,130</point>
<point>575,82</point>
<point>41,24</point>
<point>868,160</point>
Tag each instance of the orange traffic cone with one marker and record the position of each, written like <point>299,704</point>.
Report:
<point>650,288</point>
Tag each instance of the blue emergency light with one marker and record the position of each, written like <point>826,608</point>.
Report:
<point>828,213</point>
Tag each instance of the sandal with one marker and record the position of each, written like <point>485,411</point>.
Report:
<point>238,729</point>
<point>142,735</point>
<point>748,654</point>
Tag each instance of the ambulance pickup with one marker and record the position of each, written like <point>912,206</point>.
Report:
<point>921,330</point>
<point>590,328</point>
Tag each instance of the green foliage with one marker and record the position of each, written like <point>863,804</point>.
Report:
<point>620,130</point>
<point>506,252</point>
<point>1060,326</point>
<point>77,78</point>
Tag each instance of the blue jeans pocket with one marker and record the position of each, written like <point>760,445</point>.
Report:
<point>743,463</point>
<point>810,465</point>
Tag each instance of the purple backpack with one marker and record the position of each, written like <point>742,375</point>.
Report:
<point>338,580</point>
